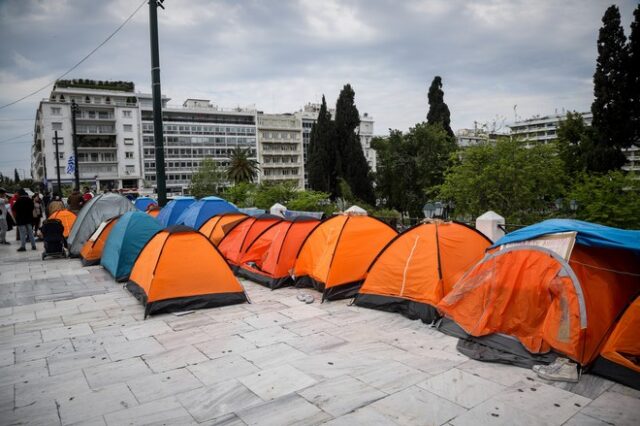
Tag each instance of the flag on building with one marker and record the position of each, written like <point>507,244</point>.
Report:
<point>71,165</point>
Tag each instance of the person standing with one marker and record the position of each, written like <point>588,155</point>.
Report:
<point>3,217</point>
<point>23,208</point>
<point>46,199</point>
<point>75,201</point>
<point>37,213</point>
<point>12,211</point>
<point>87,195</point>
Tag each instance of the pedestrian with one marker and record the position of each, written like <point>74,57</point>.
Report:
<point>37,213</point>
<point>12,202</point>
<point>46,199</point>
<point>4,226</point>
<point>24,217</point>
<point>87,195</point>
<point>55,205</point>
<point>75,201</point>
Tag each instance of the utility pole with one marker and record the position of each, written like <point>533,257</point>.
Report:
<point>74,111</point>
<point>56,139</point>
<point>158,134</point>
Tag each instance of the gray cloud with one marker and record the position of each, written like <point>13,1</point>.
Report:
<point>279,55</point>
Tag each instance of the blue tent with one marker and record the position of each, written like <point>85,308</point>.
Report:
<point>204,209</point>
<point>127,238</point>
<point>143,203</point>
<point>171,212</point>
<point>588,234</point>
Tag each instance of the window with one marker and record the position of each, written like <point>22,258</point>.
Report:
<point>56,126</point>
<point>55,111</point>
<point>126,113</point>
<point>87,100</point>
<point>59,142</point>
<point>128,154</point>
<point>130,170</point>
<point>61,155</point>
<point>128,127</point>
<point>128,141</point>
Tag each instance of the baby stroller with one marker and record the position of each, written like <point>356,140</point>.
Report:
<point>52,235</point>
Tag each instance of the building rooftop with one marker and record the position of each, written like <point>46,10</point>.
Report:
<point>74,348</point>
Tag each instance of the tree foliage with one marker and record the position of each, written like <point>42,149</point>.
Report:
<point>208,180</point>
<point>321,163</point>
<point>351,164</point>
<point>633,70</point>
<point>242,168</point>
<point>612,199</point>
<point>438,109</point>
<point>573,138</point>
<point>411,166</point>
<point>610,108</point>
<point>519,183</point>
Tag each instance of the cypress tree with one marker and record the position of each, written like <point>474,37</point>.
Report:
<point>633,72</point>
<point>16,176</point>
<point>438,110</point>
<point>321,164</point>
<point>610,107</point>
<point>351,163</point>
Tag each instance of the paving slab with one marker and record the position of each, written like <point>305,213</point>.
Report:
<point>157,386</point>
<point>614,408</point>
<point>95,403</point>
<point>213,402</point>
<point>276,382</point>
<point>222,369</point>
<point>111,373</point>
<point>461,387</point>
<point>224,345</point>
<point>341,395</point>
<point>164,411</point>
<point>285,411</point>
<point>174,358</point>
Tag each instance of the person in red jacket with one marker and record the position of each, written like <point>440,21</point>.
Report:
<point>87,195</point>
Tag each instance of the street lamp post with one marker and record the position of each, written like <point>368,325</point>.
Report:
<point>74,111</point>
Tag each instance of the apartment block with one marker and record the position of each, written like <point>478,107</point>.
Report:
<point>280,148</point>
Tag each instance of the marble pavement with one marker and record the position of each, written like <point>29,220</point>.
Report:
<point>74,349</point>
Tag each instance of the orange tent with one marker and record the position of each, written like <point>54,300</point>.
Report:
<point>544,301</point>
<point>270,257</point>
<point>620,357</point>
<point>153,210</point>
<point>216,227</point>
<point>67,217</point>
<point>241,234</point>
<point>418,267</point>
<point>335,256</point>
<point>91,251</point>
<point>179,269</point>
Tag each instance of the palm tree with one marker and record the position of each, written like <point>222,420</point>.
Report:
<point>241,167</point>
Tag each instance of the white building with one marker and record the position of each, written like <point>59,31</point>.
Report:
<point>309,115</point>
<point>470,137</point>
<point>192,132</point>
<point>107,134</point>
<point>544,129</point>
<point>280,151</point>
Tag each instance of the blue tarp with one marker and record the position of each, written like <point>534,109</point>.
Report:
<point>588,234</point>
<point>252,211</point>
<point>204,209</point>
<point>143,203</point>
<point>171,212</point>
<point>127,238</point>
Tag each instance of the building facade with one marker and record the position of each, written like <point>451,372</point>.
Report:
<point>470,137</point>
<point>544,129</point>
<point>107,132</point>
<point>280,148</point>
<point>192,132</point>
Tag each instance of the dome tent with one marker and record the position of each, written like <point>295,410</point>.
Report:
<point>204,209</point>
<point>143,203</point>
<point>180,269</point>
<point>97,210</point>
<point>92,250</point>
<point>270,257</point>
<point>554,287</point>
<point>236,240</point>
<point>216,227</point>
<point>172,211</point>
<point>128,236</point>
<point>67,217</point>
<point>336,254</point>
<point>419,267</point>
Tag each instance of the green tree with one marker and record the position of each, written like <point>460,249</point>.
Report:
<point>267,194</point>
<point>351,163</point>
<point>572,139</point>
<point>612,199</point>
<point>517,182</point>
<point>242,168</point>
<point>633,72</point>
<point>311,201</point>
<point>438,109</point>
<point>610,107</point>
<point>241,194</point>
<point>16,176</point>
<point>208,180</point>
<point>321,163</point>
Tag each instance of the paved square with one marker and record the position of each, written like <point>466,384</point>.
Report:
<point>74,348</point>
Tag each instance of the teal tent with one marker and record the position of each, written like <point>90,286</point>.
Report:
<point>127,238</point>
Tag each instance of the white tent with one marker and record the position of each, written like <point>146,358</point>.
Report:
<point>356,211</point>
<point>278,210</point>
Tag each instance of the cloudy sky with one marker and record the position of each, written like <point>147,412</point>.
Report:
<point>280,54</point>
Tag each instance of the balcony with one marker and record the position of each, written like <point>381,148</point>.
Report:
<point>96,130</point>
<point>100,117</point>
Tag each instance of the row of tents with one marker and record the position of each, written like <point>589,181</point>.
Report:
<point>561,287</point>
